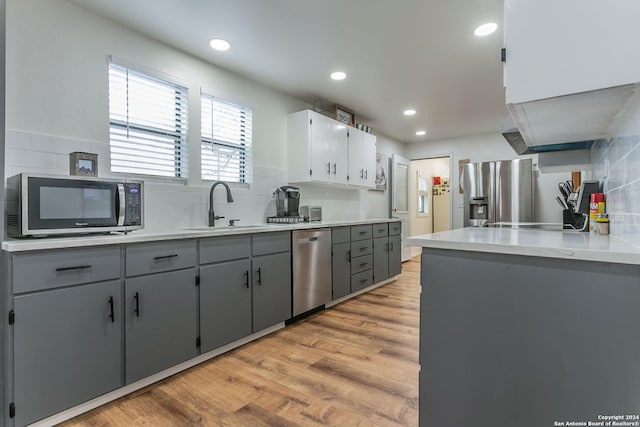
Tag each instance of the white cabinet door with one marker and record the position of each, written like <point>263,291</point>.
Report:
<point>368,156</point>
<point>322,155</point>
<point>339,152</point>
<point>356,172</point>
<point>564,47</point>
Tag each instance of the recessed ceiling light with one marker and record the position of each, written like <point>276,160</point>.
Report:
<point>485,29</point>
<point>409,112</point>
<point>219,44</point>
<point>338,75</point>
<point>421,132</point>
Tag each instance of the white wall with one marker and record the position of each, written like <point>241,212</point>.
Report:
<point>57,103</point>
<point>490,147</point>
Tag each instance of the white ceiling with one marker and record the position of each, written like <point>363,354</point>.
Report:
<point>397,54</point>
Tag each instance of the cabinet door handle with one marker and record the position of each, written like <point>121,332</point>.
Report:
<point>349,255</point>
<point>246,279</point>
<point>361,173</point>
<point>259,281</point>
<point>387,248</point>
<point>391,246</point>
<point>77,267</point>
<point>112,314</point>
<point>158,258</point>
<point>329,168</point>
<point>334,168</point>
<point>136,310</point>
<point>366,174</point>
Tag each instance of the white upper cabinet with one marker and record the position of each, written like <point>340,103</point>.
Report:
<point>556,48</point>
<point>362,159</point>
<point>319,150</point>
<point>571,67</point>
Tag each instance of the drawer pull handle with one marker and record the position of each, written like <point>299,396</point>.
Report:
<point>364,280</point>
<point>77,267</point>
<point>112,315</point>
<point>246,279</point>
<point>363,264</point>
<point>158,258</point>
<point>136,310</point>
<point>363,248</point>
<point>259,277</point>
<point>363,233</point>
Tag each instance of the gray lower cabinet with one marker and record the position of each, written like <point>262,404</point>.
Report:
<point>271,289</point>
<point>225,303</point>
<point>380,258</point>
<point>395,252</point>
<point>161,328</point>
<point>67,348</point>
<point>341,269</point>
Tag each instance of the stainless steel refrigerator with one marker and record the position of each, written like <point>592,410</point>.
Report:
<point>498,192</point>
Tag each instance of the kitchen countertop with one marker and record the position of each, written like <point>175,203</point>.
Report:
<point>141,236</point>
<point>533,242</point>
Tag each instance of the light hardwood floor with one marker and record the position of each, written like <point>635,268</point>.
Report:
<point>355,364</point>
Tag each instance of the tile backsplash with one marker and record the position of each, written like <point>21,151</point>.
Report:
<point>172,204</point>
<point>616,161</point>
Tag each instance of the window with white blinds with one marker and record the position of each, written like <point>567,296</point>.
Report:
<point>148,124</point>
<point>423,195</point>
<point>225,140</point>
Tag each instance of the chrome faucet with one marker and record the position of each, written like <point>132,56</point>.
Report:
<point>212,216</point>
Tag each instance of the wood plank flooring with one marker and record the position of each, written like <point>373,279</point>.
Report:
<point>355,364</point>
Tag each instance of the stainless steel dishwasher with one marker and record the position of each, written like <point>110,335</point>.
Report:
<point>311,269</point>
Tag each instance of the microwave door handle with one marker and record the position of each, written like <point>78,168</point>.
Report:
<point>121,204</point>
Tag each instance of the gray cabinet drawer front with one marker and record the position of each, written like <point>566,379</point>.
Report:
<point>32,272</point>
<point>361,232</point>
<point>362,263</point>
<point>380,230</point>
<point>157,257</point>
<point>340,235</point>
<point>395,228</point>
<point>361,280</point>
<point>217,249</point>
<point>363,247</point>
<point>271,243</point>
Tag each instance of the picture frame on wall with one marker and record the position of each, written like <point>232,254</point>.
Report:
<point>382,168</point>
<point>83,164</point>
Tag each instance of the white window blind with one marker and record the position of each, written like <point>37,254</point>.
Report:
<point>148,124</point>
<point>225,140</point>
<point>423,195</point>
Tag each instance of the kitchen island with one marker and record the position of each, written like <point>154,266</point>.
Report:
<point>528,328</point>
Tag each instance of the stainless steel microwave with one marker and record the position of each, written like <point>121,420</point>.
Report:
<point>40,205</point>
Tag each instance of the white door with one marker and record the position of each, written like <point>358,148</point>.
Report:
<point>400,198</point>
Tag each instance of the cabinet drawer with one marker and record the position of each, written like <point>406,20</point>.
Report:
<point>271,243</point>
<point>361,280</point>
<point>363,247</point>
<point>163,256</point>
<point>361,232</point>
<point>362,263</point>
<point>380,230</point>
<point>225,248</point>
<point>395,228</point>
<point>340,235</point>
<point>32,272</point>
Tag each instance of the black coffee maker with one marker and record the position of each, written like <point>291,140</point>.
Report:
<point>287,201</point>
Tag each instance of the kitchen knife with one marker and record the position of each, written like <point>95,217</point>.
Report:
<point>562,203</point>
<point>562,186</point>
<point>570,185</point>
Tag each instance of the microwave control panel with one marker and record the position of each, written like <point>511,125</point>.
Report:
<point>133,204</point>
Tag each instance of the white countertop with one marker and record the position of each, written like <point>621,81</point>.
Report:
<point>531,242</point>
<point>140,236</point>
